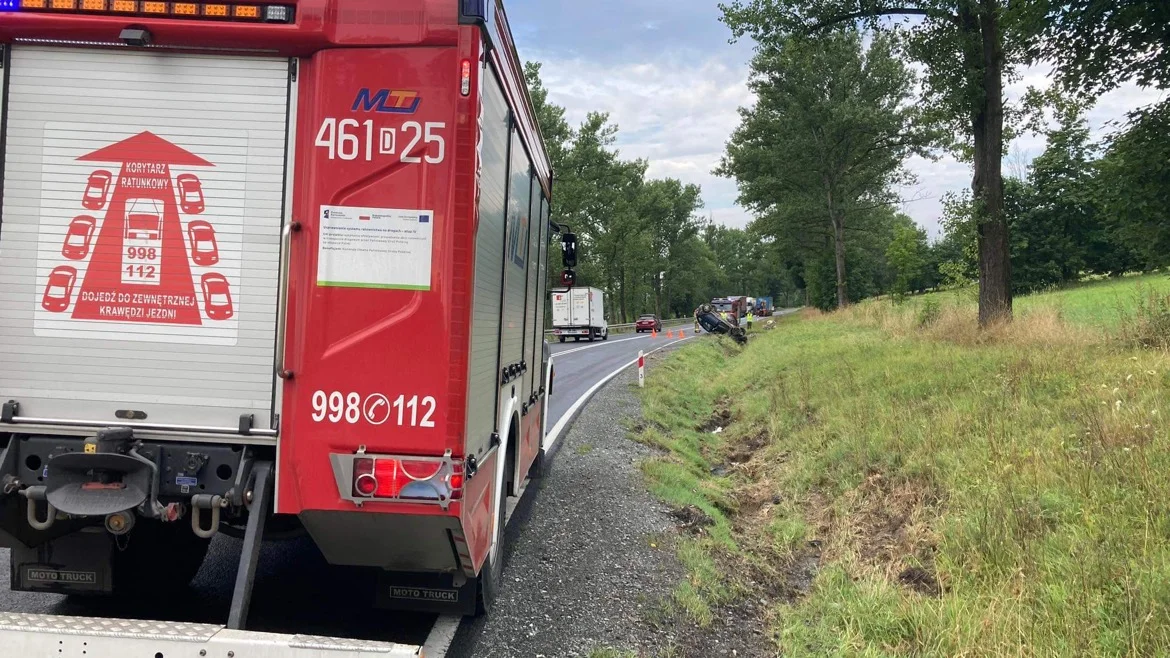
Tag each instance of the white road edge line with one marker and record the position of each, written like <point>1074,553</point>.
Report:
<point>555,432</point>
<point>443,632</point>
<point>601,344</point>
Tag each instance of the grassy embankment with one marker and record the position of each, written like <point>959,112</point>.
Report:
<point>955,492</point>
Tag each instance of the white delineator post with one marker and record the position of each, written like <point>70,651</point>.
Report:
<point>641,369</point>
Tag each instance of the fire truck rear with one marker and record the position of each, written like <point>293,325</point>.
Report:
<point>266,266</point>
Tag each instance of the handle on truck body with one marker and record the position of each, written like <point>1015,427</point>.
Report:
<point>282,305</point>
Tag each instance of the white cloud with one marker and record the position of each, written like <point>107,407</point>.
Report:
<point>677,111</point>
<point>674,112</point>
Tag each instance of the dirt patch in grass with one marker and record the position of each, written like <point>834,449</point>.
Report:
<point>883,527</point>
<point>743,449</point>
<point>719,419</point>
<point>691,519</point>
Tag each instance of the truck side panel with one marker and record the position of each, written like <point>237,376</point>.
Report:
<point>484,363</point>
<point>516,255</point>
<point>374,266</point>
<point>530,439</point>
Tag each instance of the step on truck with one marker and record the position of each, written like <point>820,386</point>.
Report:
<point>579,313</point>
<point>264,267</point>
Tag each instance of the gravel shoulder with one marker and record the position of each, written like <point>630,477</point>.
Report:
<point>591,558</point>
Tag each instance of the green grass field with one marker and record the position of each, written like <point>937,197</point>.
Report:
<point>959,492</point>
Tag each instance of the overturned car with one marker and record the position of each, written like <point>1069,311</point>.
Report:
<point>707,317</point>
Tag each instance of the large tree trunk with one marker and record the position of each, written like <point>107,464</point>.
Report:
<point>995,275</point>
<point>839,252</point>
<point>622,295</point>
<point>837,219</point>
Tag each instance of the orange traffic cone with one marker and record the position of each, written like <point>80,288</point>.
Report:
<point>654,333</point>
<point>682,333</point>
<point>669,333</point>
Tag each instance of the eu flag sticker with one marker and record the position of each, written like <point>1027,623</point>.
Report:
<point>424,219</point>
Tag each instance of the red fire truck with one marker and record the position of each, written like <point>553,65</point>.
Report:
<point>378,191</point>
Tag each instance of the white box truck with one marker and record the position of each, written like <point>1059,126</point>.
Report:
<point>579,313</point>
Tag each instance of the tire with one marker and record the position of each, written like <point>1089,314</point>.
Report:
<point>605,336</point>
<point>158,557</point>
<point>562,338</point>
<point>592,336</point>
<point>492,576</point>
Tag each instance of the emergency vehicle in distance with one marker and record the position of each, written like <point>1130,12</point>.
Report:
<point>271,372</point>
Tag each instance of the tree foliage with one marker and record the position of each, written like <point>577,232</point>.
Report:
<point>967,49</point>
<point>826,139</point>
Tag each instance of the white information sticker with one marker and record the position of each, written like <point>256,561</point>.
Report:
<point>375,248</point>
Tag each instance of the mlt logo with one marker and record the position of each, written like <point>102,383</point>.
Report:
<point>391,101</point>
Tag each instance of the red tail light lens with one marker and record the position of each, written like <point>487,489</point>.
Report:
<point>364,482</point>
<point>455,481</point>
<point>390,478</point>
<point>435,480</point>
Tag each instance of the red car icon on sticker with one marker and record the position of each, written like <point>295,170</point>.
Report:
<point>190,194</point>
<point>59,289</point>
<point>97,189</point>
<point>204,249</point>
<point>217,296</point>
<point>78,236</point>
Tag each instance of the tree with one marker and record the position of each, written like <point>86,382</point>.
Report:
<point>1099,44</point>
<point>967,47</point>
<point>1134,186</point>
<point>907,255</point>
<point>826,138</point>
<point>670,211</point>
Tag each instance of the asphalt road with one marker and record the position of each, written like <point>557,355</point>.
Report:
<point>296,591</point>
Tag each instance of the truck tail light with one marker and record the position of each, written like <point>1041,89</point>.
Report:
<point>465,78</point>
<point>387,478</point>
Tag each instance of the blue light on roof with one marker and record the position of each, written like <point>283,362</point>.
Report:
<point>9,5</point>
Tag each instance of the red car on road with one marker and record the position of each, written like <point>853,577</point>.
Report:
<point>59,289</point>
<point>78,236</point>
<point>204,249</point>
<point>217,296</point>
<point>648,323</point>
<point>190,194</point>
<point>97,189</point>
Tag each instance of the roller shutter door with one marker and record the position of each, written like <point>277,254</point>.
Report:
<point>143,199</point>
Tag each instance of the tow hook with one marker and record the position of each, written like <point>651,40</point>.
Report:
<point>34,495</point>
<point>205,502</point>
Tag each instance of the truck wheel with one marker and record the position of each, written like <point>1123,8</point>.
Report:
<point>605,336</point>
<point>492,575</point>
<point>158,556</point>
<point>562,338</point>
<point>592,336</point>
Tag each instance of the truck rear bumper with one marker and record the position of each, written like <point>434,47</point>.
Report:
<point>42,636</point>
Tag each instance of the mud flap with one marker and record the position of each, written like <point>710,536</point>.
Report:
<point>425,592</point>
<point>80,563</point>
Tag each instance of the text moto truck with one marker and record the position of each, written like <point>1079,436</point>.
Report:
<point>310,296</point>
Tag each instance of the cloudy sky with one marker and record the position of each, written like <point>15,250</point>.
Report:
<point>668,77</point>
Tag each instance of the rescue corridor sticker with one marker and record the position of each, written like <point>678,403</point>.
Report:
<point>375,248</point>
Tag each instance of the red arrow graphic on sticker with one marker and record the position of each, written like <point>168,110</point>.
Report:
<point>139,270</point>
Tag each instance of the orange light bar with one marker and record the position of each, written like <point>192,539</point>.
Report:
<point>216,11</point>
<point>184,8</point>
<point>246,11</point>
<point>63,4</point>
<point>93,5</point>
<point>33,4</point>
<point>129,6</point>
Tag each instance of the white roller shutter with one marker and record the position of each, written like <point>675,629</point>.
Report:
<point>140,235</point>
